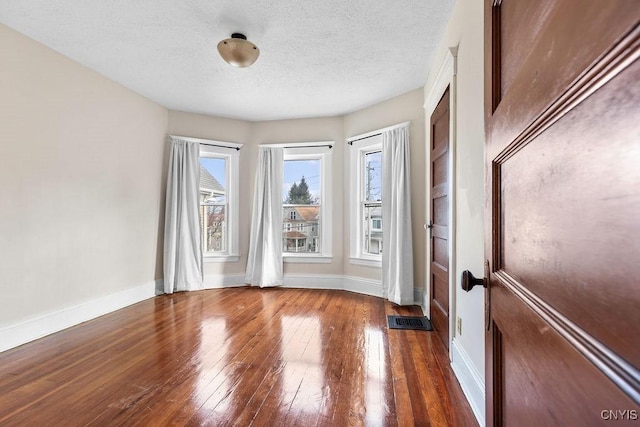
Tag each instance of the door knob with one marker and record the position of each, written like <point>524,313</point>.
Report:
<point>430,228</point>
<point>469,281</point>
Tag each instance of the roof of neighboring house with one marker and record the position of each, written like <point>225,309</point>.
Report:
<point>307,213</point>
<point>209,182</point>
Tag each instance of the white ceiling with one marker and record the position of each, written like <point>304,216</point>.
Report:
<point>318,57</point>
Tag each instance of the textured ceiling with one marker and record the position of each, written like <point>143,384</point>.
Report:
<point>318,57</point>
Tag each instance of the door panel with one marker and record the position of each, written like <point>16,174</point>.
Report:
<point>563,209</point>
<point>439,265</point>
<point>440,211</point>
<point>562,219</point>
<point>520,26</point>
<point>441,252</point>
<point>547,382</point>
<point>440,167</point>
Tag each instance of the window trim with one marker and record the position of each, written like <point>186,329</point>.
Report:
<point>231,153</point>
<point>232,157</point>
<point>359,148</point>
<point>316,151</point>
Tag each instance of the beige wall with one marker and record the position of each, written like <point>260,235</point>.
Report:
<point>465,29</point>
<point>406,107</point>
<point>81,173</point>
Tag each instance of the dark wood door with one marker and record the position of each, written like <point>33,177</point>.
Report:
<point>439,227</point>
<point>563,212</point>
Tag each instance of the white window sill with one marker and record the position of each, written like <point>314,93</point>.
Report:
<point>369,262</point>
<point>220,258</point>
<point>306,259</point>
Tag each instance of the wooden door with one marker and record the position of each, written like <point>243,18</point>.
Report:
<point>439,226</point>
<point>563,212</point>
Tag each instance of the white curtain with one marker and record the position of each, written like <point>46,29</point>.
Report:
<point>182,247</point>
<point>397,255</point>
<point>264,264</point>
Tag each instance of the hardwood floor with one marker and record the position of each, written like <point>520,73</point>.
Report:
<point>243,356</point>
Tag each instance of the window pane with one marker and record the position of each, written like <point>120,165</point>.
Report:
<point>301,206</point>
<point>371,203</point>
<point>301,182</point>
<point>213,204</point>
<point>213,178</point>
<point>214,228</point>
<point>372,227</point>
<point>373,176</point>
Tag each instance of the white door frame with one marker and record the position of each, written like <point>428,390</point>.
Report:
<point>446,77</point>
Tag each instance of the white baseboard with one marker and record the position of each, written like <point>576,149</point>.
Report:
<point>21,333</point>
<point>470,380</point>
<point>216,281</point>
<point>363,286</point>
<point>338,282</point>
<point>424,303</point>
<point>417,297</point>
<point>313,281</point>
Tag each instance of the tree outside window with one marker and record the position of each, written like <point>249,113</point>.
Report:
<point>301,206</point>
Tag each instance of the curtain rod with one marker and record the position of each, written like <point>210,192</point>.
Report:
<point>298,145</point>
<point>305,146</point>
<point>221,146</point>
<point>353,139</point>
<point>364,137</point>
<point>209,142</point>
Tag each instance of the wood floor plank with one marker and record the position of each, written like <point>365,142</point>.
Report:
<point>265,354</point>
<point>239,357</point>
<point>347,385</point>
<point>277,406</point>
<point>380,402</point>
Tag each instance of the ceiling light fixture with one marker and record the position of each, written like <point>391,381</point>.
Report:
<point>238,51</point>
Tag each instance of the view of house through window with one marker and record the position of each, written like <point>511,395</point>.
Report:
<point>372,203</point>
<point>301,206</point>
<point>213,204</point>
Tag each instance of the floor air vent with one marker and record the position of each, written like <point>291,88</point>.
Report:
<point>409,322</point>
